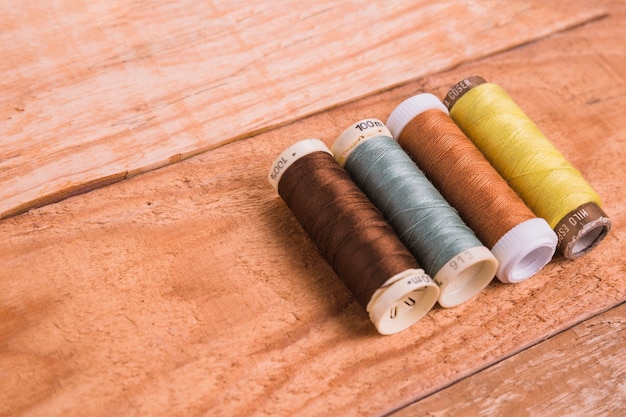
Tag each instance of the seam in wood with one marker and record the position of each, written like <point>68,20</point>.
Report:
<point>97,183</point>
<point>504,358</point>
<point>248,135</point>
<point>65,193</point>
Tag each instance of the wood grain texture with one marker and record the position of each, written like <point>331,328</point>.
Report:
<point>580,372</point>
<point>191,290</point>
<point>92,93</point>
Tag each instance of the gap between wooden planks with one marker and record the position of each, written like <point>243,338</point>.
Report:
<point>579,372</point>
<point>92,93</point>
<point>191,290</point>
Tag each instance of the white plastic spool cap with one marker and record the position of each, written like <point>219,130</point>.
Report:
<point>291,155</point>
<point>402,300</point>
<point>524,250</point>
<point>409,109</point>
<point>356,134</point>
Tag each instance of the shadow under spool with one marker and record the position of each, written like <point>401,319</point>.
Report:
<point>522,242</point>
<point>353,236</point>
<point>430,228</point>
<point>529,162</point>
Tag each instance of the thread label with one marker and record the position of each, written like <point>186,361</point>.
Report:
<point>578,216</point>
<point>461,88</point>
<point>367,124</point>
<point>460,260</point>
<point>419,279</point>
<point>577,222</point>
<point>562,231</point>
<point>278,167</point>
<point>574,219</point>
<point>292,154</point>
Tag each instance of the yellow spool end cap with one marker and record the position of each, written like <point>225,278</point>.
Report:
<point>402,300</point>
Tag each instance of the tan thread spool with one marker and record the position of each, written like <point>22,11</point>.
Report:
<point>522,242</point>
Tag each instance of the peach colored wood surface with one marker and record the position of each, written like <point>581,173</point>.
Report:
<point>580,372</point>
<point>191,290</point>
<point>94,92</point>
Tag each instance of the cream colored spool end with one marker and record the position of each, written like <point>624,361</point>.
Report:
<point>465,275</point>
<point>291,155</point>
<point>356,134</point>
<point>402,300</point>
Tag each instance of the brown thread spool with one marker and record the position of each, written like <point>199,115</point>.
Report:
<point>522,243</point>
<point>353,236</point>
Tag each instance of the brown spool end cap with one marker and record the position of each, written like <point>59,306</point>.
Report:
<point>409,109</point>
<point>581,230</point>
<point>402,300</point>
<point>460,89</point>
<point>356,134</point>
<point>465,275</point>
<point>291,155</point>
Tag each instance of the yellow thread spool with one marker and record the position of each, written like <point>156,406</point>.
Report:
<point>533,167</point>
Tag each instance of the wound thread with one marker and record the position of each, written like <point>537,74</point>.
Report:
<point>530,163</point>
<point>352,235</point>
<point>522,243</point>
<point>429,227</point>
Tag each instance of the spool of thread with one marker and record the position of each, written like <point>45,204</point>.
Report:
<point>522,242</point>
<point>428,226</point>
<point>353,236</point>
<point>530,163</point>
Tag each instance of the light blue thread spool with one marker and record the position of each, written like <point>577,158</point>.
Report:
<point>431,229</point>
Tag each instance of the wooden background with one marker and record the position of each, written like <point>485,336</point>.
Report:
<point>104,90</point>
<point>191,290</point>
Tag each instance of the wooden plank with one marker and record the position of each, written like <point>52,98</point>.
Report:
<point>95,92</point>
<point>191,290</point>
<point>580,372</point>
